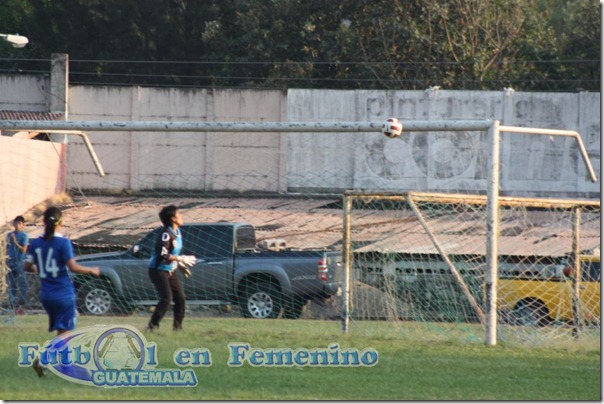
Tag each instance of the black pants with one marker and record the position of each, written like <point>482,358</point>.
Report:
<point>169,289</point>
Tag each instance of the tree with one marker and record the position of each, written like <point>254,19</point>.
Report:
<point>393,44</point>
<point>14,15</point>
<point>578,29</point>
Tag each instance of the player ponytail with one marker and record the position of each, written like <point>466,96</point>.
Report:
<point>52,217</point>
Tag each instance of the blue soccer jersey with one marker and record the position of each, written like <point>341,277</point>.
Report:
<point>51,256</point>
<point>15,254</point>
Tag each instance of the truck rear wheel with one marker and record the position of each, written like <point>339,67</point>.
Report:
<point>530,312</point>
<point>260,300</point>
<point>95,298</point>
<point>293,310</point>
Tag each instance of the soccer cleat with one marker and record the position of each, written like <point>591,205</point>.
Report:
<point>40,370</point>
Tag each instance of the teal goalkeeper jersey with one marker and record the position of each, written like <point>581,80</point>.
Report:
<point>169,242</point>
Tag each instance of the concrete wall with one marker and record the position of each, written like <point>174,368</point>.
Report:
<point>190,161</point>
<point>452,162</point>
<point>24,93</point>
<point>30,172</point>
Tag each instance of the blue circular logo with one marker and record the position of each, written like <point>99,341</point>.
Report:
<point>119,348</point>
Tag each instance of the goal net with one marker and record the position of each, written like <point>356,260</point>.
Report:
<point>419,261</point>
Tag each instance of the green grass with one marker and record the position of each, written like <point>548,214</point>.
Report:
<point>407,369</point>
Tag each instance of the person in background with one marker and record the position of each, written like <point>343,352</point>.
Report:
<point>164,260</point>
<point>17,242</point>
<point>51,257</point>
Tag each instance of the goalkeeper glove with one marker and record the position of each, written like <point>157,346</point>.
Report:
<point>186,260</point>
<point>185,271</point>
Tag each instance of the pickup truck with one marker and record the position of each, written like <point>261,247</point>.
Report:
<point>544,298</point>
<point>230,270</point>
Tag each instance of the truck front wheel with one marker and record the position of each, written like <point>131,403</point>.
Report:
<point>260,300</point>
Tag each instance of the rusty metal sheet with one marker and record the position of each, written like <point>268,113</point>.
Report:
<point>304,224</point>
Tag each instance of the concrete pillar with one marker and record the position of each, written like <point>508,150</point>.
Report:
<point>59,103</point>
<point>59,83</point>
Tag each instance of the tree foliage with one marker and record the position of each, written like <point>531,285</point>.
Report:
<point>395,44</point>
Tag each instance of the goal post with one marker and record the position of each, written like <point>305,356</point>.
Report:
<point>494,130</point>
<point>485,312</point>
<point>492,252</point>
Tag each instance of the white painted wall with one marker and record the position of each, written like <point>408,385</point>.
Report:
<point>186,161</point>
<point>452,162</point>
<point>30,172</point>
<point>24,93</point>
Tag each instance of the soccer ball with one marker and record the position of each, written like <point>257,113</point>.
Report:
<point>392,128</point>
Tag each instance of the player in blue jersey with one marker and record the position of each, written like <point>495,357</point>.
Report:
<point>51,256</point>
<point>17,243</point>
<point>165,260</point>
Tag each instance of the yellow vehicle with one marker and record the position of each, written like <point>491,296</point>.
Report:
<point>539,299</point>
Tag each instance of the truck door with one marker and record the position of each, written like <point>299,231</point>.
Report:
<point>589,289</point>
<point>134,271</point>
<point>212,246</point>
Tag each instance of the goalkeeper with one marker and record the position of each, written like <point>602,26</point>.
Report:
<point>165,260</point>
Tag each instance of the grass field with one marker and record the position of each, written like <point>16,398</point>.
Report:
<point>407,369</point>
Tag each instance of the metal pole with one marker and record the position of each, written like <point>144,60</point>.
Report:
<point>456,275</point>
<point>492,236</point>
<point>186,126</point>
<point>347,256</point>
<point>576,219</point>
<point>86,140</point>
<point>262,127</point>
<point>558,132</point>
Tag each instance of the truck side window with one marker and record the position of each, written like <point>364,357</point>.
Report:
<point>207,241</point>
<point>590,271</point>
<point>246,238</point>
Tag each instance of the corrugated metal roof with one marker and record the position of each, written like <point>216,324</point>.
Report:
<point>535,233</point>
<point>31,116</point>
<point>316,224</point>
<point>123,221</point>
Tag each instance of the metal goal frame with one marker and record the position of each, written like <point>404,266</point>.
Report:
<point>493,128</point>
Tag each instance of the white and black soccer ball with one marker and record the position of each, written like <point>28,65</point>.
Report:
<point>392,128</point>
